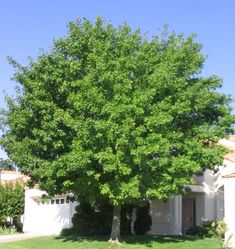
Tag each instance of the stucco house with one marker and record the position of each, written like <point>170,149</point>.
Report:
<point>7,176</point>
<point>11,176</point>
<point>41,218</point>
<point>173,216</point>
<point>211,198</point>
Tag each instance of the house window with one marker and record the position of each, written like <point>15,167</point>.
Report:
<point>52,201</point>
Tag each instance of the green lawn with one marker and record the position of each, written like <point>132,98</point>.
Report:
<point>141,242</point>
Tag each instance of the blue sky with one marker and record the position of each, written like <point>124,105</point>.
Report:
<point>26,26</point>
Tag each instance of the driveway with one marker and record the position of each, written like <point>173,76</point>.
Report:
<point>16,237</point>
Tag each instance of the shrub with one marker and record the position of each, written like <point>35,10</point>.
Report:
<point>102,222</point>
<point>12,202</point>
<point>126,219</point>
<point>83,218</point>
<point>143,220</point>
<point>97,219</point>
<point>92,220</point>
<point>196,230</point>
<point>215,228</point>
<point>67,231</point>
<point>220,228</point>
<point>7,230</point>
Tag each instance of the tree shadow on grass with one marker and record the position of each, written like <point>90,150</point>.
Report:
<point>147,240</point>
<point>78,238</point>
<point>150,241</point>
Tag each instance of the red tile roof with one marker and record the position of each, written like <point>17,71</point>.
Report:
<point>232,138</point>
<point>230,156</point>
<point>11,172</point>
<point>19,176</point>
<point>232,175</point>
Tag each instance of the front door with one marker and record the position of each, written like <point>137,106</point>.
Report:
<point>188,213</point>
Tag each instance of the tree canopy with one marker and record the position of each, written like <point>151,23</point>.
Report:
<point>110,113</point>
<point>6,164</point>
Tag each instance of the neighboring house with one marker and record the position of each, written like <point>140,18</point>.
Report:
<point>42,218</point>
<point>211,198</point>
<point>8,176</point>
<point>11,176</point>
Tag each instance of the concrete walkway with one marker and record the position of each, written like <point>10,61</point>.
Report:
<point>16,237</point>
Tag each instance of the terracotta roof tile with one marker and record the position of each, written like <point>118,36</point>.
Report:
<point>232,138</point>
<point>230,156</point>
<point>11,172</point>
<point>229,143</point>
<point>22,179</point>
<point>232,175</point>
<point>17,178</point>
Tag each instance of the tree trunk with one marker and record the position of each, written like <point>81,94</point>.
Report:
<point>115,233</point>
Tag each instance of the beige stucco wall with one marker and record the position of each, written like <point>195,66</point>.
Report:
<point>166,216</point>
<point>219,203</point>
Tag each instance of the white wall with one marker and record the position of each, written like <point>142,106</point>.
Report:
<point>229,205</point>
<point>46,218</point>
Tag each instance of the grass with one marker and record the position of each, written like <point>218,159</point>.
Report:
<point>7,230</point>
<point>129,242</point>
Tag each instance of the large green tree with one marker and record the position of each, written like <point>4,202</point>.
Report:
<point>110,113</point>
